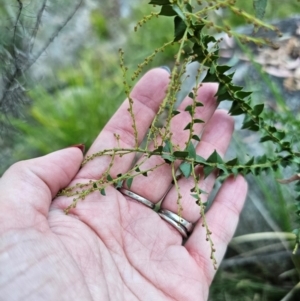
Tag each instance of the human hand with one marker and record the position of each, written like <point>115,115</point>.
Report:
<point>112,247</point>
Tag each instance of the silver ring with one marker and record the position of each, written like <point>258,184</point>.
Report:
<point>176,225</point>
<point>178,219</point>
<point>137,197</point>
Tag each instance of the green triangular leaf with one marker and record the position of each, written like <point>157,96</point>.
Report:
<point>257,110</point>
<point>179,12</point>
<point>199,104</point>
<point>210,77</point>
<point>222,93</point>
<point>129,182</point>
<point>215,158</point>
<point>189,8</point>
<point>186,169</point>
<point>196,196</point>
<point>180,154</point>
<point>250,124</point>
<point>207,170</point>
<point>235,109</point>
<point>180,28</point>
<point>226,79</point>
<point>235,171</point>
<point>168,148</point>
<point>250,162</point>
<point>233,162</point>
<point>223,68</point>
<point>200,160</point>
<point>102,191</point>
<point>208,39</point>
<point>195,137</point>
<point>158,150</point>
<point>160,2</point>
<point>202,191</point>
<point>119,184</point>
<point>189,109</point>
<point>198,121</point>
<point>272,129</point>
<point>261,159</point>
<point>167,10</point>
<point>221,90</point>
<point>222,168</point>
<point>280,135</point>
<point>235,88</point>
<point>168,158</point>
<point>260,8</point>
<point>188,126</point>
<point>191,150</point>
<point>242,94</point>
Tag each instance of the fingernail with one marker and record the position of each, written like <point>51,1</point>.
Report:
<point>166,68</point>
<point>80,146</point>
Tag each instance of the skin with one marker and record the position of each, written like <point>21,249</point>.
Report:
<point>112,247</point>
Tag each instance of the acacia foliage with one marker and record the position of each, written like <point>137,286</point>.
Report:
<point>194,37</point>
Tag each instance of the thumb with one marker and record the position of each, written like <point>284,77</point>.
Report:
<point>28,187</point>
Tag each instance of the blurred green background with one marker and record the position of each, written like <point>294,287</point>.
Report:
<point>76,85</point>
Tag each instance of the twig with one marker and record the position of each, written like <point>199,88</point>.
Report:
<point>15,31</point>
<point>18,71</point>
<point>36,27</point>
<point>59,29</point>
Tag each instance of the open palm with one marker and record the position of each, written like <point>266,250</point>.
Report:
<point>112,247</point>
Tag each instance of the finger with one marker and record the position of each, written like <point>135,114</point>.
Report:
<point>222,219</point>
<point>28,187</point>
<point>155,185</point>
<point>147,96</point>
<point>216,136</point>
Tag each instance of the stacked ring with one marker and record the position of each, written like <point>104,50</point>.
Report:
<point>180,224</point>
<point>137,197</point>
